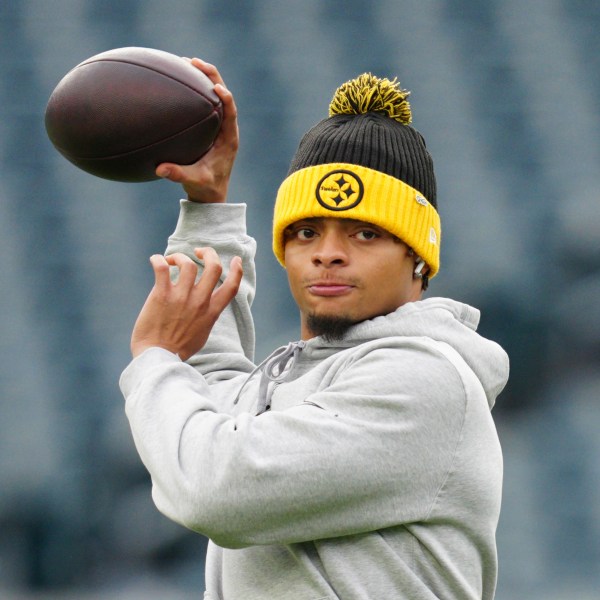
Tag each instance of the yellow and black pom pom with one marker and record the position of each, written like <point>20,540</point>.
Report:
<point>368,93</point>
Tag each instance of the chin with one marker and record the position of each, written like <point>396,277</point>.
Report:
<point>332,327</point>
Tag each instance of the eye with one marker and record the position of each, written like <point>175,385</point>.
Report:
<point>367,235</point>
<point>302,233</point>
<point>305,233</point>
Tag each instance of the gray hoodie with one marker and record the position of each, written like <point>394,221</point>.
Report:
<point>365,469</point>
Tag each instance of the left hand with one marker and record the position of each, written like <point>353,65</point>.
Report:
<point>179,316</point>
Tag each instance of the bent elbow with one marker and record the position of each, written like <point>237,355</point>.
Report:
<point>225,522</point>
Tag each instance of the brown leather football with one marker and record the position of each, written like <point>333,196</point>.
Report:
<point>121,113</point>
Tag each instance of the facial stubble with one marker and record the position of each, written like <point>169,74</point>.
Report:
<point>331,328</point>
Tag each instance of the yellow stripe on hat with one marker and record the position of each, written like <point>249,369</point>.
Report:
<point>354,192</point>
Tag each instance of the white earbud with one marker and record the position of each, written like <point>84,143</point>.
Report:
<point>419,268</point>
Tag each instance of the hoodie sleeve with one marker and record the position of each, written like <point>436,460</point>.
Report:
<point>230,348</point>
<point>371,448</point>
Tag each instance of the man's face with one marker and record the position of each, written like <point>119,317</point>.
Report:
<point>348,270</point>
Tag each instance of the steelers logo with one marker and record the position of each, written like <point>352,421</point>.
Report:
<point>340,190</point>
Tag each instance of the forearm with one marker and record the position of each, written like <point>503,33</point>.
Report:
<point>222,227</point>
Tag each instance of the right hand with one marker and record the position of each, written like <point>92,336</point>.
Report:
<point>207,179</point>
<point>179,315</point>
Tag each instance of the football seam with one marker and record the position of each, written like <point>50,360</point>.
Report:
<point>124,62</point>
<point>122,154</point>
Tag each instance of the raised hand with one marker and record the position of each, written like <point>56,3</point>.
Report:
<point>179,315</point>
<point>207,180</point>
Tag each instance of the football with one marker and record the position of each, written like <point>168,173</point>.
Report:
<point>121,113</point>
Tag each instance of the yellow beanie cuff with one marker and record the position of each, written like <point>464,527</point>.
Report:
<point>350,191</point>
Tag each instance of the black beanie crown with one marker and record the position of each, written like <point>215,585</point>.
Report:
<point>376,139</point>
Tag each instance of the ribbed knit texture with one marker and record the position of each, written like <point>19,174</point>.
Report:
<point>371,140</point>
<point>386,201</point>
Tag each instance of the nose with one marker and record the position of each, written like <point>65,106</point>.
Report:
<point>330,250</point>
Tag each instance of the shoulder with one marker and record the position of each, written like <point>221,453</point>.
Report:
<point>404,356</point>
<point>402,369</point>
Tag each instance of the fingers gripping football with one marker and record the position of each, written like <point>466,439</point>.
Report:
<point>207,179</point>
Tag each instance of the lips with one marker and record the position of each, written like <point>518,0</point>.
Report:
<point>327,288</point>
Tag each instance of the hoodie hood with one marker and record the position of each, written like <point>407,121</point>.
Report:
<point>440,319</point>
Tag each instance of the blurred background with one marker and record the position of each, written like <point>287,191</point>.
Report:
<point>507,94</point>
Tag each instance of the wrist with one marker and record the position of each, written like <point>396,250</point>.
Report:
<point>139,348</point>
<point>216,194</point>
<point>206,198</point>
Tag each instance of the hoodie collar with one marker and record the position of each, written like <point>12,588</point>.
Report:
<point>440,319</point>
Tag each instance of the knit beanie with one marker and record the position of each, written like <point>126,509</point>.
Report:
<point>364,162</point>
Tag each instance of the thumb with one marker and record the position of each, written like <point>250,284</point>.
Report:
<point>170,171</point>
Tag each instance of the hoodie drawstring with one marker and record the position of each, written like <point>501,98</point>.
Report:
<point>274,370</point>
